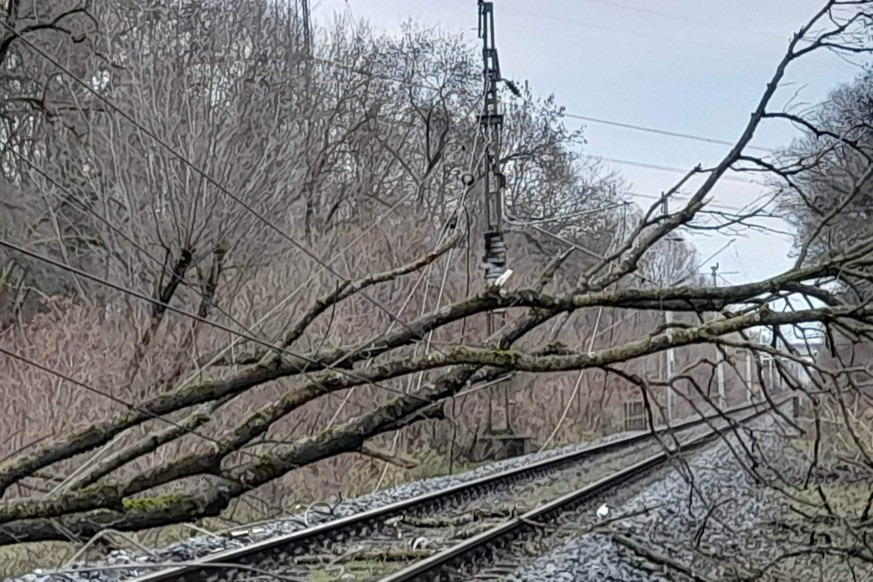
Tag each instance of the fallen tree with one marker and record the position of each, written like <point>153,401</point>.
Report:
<point>111,490</point>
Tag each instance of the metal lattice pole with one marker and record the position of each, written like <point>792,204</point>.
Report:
<point>491,124</point>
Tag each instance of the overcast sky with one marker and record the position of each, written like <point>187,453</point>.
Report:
<point>688,66</point>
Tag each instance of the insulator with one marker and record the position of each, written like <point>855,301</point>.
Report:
<point>495,255</point>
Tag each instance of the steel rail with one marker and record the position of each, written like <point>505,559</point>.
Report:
<point>199,569</point>
<point>432,568</point>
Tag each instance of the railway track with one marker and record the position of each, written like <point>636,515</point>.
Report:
<point>425,536</point>
<point>498,551</point>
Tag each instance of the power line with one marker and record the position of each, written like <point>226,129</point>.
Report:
<point>609,122</point>
<point>745,208</point>
<point>667,168</point>
<point>687,19</point>
<point>590,119</point>
<point>638,34</point>
<point>654,197</point>
<point>657,131</point>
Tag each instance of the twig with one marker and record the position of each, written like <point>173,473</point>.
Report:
<point>394,459</point>
<point>656,557</point>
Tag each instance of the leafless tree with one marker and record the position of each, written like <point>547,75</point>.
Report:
<point>231,179</point>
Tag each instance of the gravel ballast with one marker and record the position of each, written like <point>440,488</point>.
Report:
<point>732,529</point>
